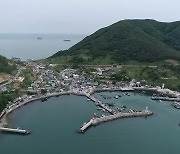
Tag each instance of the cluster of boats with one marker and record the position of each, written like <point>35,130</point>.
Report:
<point>176,105</point>
<point>127,94</point>
<point>121,108</point>
<point>43,99</point>
<point>132,111</point>
<point>101,109</point>
<point>116,97</point>
<point>106,97</point>
<point>111,105</point>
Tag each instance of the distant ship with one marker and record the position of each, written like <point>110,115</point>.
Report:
<point>67,40</point>
<point>39,38</point>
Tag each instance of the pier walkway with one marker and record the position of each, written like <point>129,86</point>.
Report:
<point>123,89</point>
<point>166,99</point>
<point>97,121</point>
<point>85,126</point>
<point>99,103</point>
<point>11,130</point>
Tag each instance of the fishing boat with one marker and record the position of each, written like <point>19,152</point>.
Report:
<point>43,99</point>
<point>116,97</point>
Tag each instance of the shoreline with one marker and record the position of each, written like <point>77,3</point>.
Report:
<point>4,114</point>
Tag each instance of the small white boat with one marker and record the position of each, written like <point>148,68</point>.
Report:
<point>103,110</point>
<point>116,97</point>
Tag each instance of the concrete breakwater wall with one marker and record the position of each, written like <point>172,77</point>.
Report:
<point>145,89</point>
<point>17,131</point>
<point>97,121</point>
<point>165,99</point>
<point>111,89</point>
<point>143,113</point>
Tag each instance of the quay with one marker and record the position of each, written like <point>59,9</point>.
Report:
<point>166,99</point>
<point>96,121</point>
<point>122,89</point>
<point>17,131</point>
<point>146,88</point>
<point>100,104</point>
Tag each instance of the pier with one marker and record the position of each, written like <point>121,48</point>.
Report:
<point>86,126</point>
<point>122,89</point>
<point>99,103</point>
<point>17,131</point>
<point>97,121</point>
<point>146,88</point>
<point>166,99</point>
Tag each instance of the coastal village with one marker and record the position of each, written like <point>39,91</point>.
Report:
<point>47,82</point>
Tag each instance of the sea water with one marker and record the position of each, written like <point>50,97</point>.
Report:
<point>36,46</point>
<point>54,123</point>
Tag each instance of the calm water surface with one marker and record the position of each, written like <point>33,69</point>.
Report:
<point>28,46</point>
<point>54,123</point>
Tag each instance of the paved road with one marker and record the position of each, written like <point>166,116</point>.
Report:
<point>152,66</point>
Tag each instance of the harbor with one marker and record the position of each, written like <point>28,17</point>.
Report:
<point>69,82</point>
<point>88,93</point>
<point>62,116</point>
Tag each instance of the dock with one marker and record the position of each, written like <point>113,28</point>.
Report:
<point>122,89</point>
<point>100,104</point>
<point>97,121</point>
<point>17,131</point>
<point>166,98</point>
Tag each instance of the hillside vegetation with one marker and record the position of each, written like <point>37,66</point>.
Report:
<point>127,40</point>
<point>5,67</point>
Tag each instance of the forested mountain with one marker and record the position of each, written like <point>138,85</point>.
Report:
<point>137,40</point>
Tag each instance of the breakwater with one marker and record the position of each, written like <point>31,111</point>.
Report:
<point>123,89</point>
<point>17,131</point>
<point>97,121</point>
<point>165,98</point>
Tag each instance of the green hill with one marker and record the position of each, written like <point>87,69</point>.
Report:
<point>5,67</point>
<point>127,40</point>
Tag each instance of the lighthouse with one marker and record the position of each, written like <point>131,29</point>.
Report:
<point>94,116</point>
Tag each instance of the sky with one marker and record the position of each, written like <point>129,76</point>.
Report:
<point>79,16</point>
